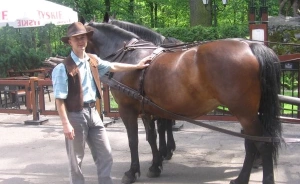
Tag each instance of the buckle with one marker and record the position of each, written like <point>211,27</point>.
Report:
<point>89,105</point>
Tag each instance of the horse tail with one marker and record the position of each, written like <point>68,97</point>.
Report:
<point>270,88</point>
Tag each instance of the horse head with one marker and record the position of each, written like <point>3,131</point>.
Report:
<point>108,39</point>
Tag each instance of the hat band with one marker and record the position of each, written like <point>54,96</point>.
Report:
<point>76,33</point>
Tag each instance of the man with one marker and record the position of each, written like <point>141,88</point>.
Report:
<point>76,84</point>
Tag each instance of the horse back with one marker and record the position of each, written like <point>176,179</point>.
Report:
<point>202,77</point>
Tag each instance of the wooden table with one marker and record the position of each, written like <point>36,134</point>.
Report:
<point>16,78</point>
<point>28,73</point>
<point>32,72</point>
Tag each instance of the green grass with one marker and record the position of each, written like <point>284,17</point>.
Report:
<point>288,108</point>
<point>113,104</point>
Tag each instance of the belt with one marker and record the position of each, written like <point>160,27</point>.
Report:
<point>89,105</point>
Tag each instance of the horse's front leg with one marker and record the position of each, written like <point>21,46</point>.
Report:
<point>156,167</point>
<point>130,120</point>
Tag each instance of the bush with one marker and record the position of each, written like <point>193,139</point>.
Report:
<point>200,33</point>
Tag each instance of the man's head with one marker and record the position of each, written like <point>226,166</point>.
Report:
<point>76,29</point>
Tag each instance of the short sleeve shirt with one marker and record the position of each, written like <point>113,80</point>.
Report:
<point>60,78</point>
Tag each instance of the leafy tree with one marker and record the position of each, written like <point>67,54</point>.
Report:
<point>198,13</point>
<point>26,48</point>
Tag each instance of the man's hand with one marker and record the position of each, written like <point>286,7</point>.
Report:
<point>68,131</point>
<point>144,62</point>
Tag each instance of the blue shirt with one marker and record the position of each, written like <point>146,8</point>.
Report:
<point>60,78</point>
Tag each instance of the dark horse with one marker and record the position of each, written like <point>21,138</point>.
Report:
<point>143,32</point>
<point>164,126</point>
<point>241,75</point>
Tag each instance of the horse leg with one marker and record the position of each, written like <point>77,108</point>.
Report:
<point>266,151</point>
<point>130,121</point>
<point>156,167</point>
<point>244,175</point>
<point>258,160</point>
<point>166,148</point>
<point>161,129</point>
<point>257,150</point>
<point>171,146</point>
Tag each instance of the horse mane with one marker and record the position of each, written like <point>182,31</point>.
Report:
<point>145,33</point>
<point>113,28</point>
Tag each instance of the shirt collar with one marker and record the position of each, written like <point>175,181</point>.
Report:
<point>78,60</point>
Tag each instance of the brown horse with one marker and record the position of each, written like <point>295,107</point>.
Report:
<point>241,75</point>
<point>164,126</point>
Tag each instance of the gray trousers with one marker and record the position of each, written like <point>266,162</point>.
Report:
<point>89,129</point>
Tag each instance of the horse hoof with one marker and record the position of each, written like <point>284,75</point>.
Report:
<point>153,173</point>
<point>169,156</point>
<point>232,182</point>
<point>129,178</point>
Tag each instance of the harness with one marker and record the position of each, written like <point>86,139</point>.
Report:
<point>140,94</point>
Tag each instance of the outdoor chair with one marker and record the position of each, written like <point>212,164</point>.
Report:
<point>10,96</point>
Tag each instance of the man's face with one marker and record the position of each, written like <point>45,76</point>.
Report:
<point>78,43</point>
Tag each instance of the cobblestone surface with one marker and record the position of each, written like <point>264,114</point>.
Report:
<point>35,154</point>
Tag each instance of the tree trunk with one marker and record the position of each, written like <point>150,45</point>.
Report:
<point>131,10</point>
<point>155,15</point>
<point>107,6</point>
<point>198,13</point>
<point>151,5</point>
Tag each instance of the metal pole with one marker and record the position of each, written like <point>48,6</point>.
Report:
<point>214,11</point>
<point>252,12</point>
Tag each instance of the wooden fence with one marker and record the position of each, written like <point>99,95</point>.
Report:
<point>35,96</point>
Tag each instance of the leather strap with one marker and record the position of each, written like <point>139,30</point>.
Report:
<point>94,70</point>
<point>134,94</point>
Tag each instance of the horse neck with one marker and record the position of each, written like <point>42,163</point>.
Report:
<point>107,44</point>
<point>142,32</point>
<point>109,47</point>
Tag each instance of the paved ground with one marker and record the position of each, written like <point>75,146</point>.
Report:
<point>31,154</point>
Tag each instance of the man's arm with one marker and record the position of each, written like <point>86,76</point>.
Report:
<point>67,127</point>
<point>120,67</point>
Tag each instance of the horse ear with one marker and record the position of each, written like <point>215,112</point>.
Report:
<point>82,20</point>
<point>106,18</point>
<point>89,28</point>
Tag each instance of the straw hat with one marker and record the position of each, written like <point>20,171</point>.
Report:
<point>75,29</point>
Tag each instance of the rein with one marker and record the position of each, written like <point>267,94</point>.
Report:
<point>134,44</point>
<point>144,100</point>
<point>140,96</point>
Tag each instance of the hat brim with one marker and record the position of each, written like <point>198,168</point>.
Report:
<point>65,39</point>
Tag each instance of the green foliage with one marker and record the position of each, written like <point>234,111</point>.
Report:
<point>27,48</point>
<point>290,81</point>
<point>200,33</point>
<point>285,36</point>
<point>22,49</point>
